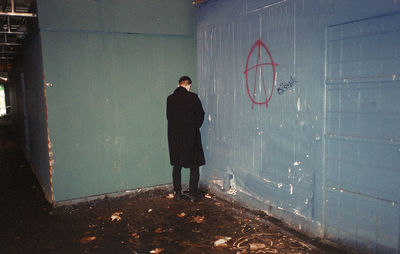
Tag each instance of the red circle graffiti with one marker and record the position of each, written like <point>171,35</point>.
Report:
<point>259,44</point>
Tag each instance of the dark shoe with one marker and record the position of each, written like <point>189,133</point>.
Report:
<point>194,197</point>
<point>178,196</point>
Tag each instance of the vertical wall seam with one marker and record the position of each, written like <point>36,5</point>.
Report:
<point>294,40</point>
<point>48,142</point>
<point>324,140</point>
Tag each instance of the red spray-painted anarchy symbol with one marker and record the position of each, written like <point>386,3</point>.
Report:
<point>259,65</point>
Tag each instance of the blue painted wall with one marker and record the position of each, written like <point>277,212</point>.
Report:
<point>302,115</point>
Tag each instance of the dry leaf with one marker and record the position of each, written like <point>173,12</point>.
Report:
<point>182,214</point>
<point>171,195</point>
<point>208,195</point>
<point>116,216</point>
<point>87,239</point>
<point>158,230</point>
<point>157,250</point>
<point>198,219</point>
<point>134,235</point>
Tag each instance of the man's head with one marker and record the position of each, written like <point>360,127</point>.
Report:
<point>185,82</point>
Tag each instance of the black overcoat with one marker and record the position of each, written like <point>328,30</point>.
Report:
<point>185,116</point>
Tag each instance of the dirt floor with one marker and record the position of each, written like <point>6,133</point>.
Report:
<point>145,222</point>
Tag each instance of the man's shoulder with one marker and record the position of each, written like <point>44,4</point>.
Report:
<point>194,95</point>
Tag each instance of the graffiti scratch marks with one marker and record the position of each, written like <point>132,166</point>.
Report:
<point>283,87</point>
<point>259,72</point>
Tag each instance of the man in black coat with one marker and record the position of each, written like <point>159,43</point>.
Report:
<point>185,116</point>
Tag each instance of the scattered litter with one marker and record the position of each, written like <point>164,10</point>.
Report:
<point>304,245</point>
<point>257,246</point>
<point>258,241</point>
<point>222,242</point>
<point>208,195</point>
<point>116,216</point>
<point>87,239</point>
<point>150,210</point>
<point>182,214</point>
<point>171,195</point>
<point>157,250</point>
<point>158,230</point>
<point>134,235</point>
<point>198,219</point>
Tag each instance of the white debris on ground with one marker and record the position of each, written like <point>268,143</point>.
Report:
<point>222,242</point>
<point>157,250</point>
<point>116,216</point>
<point>182,214</point>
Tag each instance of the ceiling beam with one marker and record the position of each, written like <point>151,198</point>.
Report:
<point>14,13</point>
<point>18,14</point>
<point>9,44</point>
<point>6,32</point>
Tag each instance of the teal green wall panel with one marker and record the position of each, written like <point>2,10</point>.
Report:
<point>106,105</point>
<point>134,16</point>
<point>34,131</point>
<point>106,108</point>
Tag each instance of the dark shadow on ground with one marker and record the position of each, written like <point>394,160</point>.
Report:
<point>148,222</point>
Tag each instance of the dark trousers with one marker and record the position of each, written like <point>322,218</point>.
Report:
<point>193,182</point>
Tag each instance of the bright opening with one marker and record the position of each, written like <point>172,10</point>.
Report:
<point>2,101</point>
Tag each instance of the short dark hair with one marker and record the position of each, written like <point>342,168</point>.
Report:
<point>185,78</point>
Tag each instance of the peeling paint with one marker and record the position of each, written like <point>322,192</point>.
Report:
<point>298,104</point>
<point>266,180</point>
<point>218,182</point>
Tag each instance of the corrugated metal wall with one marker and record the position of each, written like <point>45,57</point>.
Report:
<point>302,116</point>
<point>363,131</point>
<point>111,66</point>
